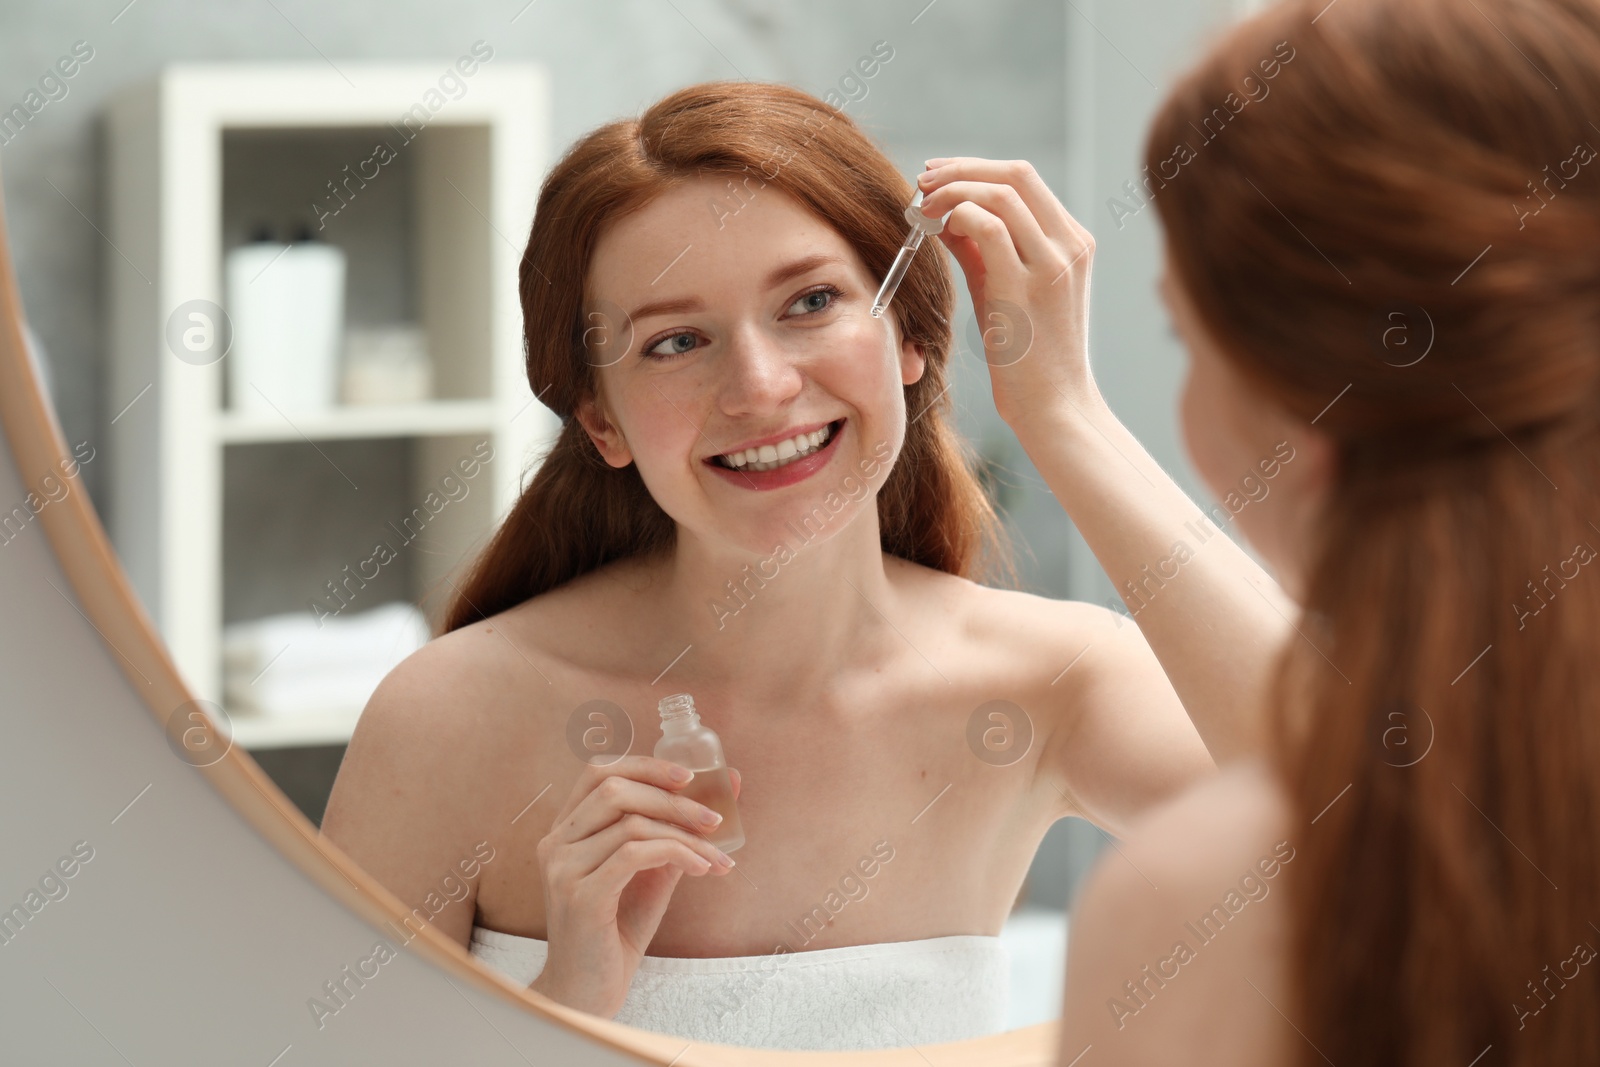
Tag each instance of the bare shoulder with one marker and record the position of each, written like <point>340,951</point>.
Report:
<point>1179,937</point>
<point>1114,738</point>
<point>410,800</point>
<point>443,697</point>
<point>1077,639</point>
<point>1033,625</point>
<point>469,702</point>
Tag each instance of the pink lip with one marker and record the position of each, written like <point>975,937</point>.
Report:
<point>789,474</point>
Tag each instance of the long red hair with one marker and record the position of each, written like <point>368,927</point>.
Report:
<point>578,513</point>
<point>1417,174</point>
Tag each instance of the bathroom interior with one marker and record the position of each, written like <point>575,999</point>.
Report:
<point>292,550</point>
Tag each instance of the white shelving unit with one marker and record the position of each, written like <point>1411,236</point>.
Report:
<point>433,418</point>
<point>315,728</point>
<point>473,167</point>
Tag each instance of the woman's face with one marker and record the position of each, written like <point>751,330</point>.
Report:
<point>717,323</point>
<point>1268,470</point>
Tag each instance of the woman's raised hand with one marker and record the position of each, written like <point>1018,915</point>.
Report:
<point>609,865</point>
<point>1027,264</point>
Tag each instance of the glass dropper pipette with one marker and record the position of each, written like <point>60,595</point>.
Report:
<point>921,227</point>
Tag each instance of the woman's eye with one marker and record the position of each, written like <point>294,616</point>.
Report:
<point>677,344</point>
<point>808,304</point>
<point>676,349</point>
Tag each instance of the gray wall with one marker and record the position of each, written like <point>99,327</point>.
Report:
<point>1067,84</point>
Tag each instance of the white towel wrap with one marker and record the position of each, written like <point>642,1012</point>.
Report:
<point>885,995</point>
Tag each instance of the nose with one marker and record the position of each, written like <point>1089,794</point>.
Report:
<point>758,376</point>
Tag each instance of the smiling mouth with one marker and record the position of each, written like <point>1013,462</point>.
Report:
<point>772,457</point>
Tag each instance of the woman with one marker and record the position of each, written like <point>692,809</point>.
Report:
<point>1392,262</point>
<point>697,283</point>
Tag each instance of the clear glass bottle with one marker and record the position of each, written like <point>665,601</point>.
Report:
<point>688,743</point>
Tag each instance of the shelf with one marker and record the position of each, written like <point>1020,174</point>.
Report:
<point>434,418</point>
<point>223,514</point>
<point>290,731</point>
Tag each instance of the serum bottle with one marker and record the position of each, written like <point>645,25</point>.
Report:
<point>686,742</point>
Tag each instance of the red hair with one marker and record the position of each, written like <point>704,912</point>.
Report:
<point>578,513</point>
<point>1441,717</point>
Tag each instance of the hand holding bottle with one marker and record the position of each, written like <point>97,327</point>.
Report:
<point>609,865</point>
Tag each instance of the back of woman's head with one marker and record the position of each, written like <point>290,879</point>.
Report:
<point>577,513</point>
<point>1387,215</point>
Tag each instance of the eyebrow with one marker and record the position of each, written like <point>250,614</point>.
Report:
<point>786,272</point>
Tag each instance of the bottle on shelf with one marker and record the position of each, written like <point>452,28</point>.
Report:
<point>286,302</point>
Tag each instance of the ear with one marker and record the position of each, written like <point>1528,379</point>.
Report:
<point>1321,459</point>
<point>608,440</point>
<point>1309,475</point>
<point>912,363</point>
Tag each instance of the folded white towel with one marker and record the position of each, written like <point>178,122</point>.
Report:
<point>303,694</point>
<point>886,995</point>
<point>367,636</point>
<point>288,664</point>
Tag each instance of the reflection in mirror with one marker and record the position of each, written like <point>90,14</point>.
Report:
<point>474,543</point>
<point>440,595</point>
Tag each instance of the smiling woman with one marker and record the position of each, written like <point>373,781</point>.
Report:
<point>841,190</point>
<point>726,400</point>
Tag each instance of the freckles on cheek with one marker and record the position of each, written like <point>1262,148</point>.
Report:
<point>866,350</point>
<point>664,423</point>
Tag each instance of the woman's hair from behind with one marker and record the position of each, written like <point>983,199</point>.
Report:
<point>1396,235</point>
<point>577,513</point>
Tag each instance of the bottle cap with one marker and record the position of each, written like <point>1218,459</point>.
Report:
<point>676,706</point>
<point>918,220</point>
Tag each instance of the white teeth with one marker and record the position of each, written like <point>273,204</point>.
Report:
<point>770,457</point>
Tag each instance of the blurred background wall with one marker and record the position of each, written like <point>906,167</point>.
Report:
<point>1066,84</point>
